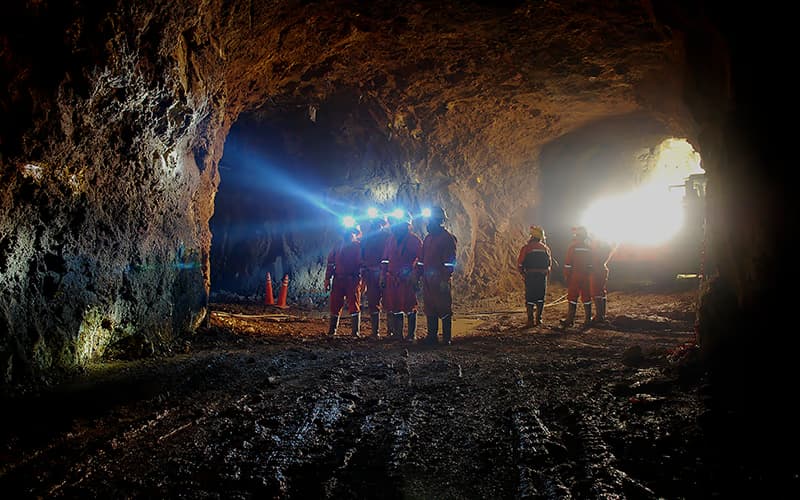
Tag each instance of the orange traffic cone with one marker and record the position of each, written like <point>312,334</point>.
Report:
<point>268,297</point>
<point>282,294</point>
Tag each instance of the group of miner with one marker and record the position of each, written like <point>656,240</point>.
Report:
<point>585,271</point>
<point>390,264</point>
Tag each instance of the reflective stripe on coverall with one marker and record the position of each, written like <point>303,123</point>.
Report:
<point>534,262</point>
<point>578,268</point>
<point>372,247</point>
<point>399,260</point>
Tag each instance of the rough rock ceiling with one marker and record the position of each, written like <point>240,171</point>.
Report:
<point>459,92</point>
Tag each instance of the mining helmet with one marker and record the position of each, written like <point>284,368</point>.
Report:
<point>377,222</point>
<point>580,232</point>
<point>354,229</point>
<point>537,232</point>
<point>400,216</point>
<point>438,212</point>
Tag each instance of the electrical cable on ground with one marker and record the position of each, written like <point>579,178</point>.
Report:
<point>222,313</point>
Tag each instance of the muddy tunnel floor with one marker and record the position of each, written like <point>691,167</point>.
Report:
<point>261,404</point>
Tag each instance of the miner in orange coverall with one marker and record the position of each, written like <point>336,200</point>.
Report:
<point>577,274</point>
<point>372,244</point>
<point>534,262</point>
<point>602,251</point>
<point>344,266</point>
<point>436,269</point>
<point>403,250</point>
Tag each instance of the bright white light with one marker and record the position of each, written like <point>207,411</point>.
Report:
<point>372,212</point>
<point>653,213</point>
<point>398,213</point>
<point>426,212</point>
<point>348,221</point>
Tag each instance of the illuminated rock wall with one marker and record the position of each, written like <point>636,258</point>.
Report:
<point>108,172</point>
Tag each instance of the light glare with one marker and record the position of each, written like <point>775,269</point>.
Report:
<point>652,214</point>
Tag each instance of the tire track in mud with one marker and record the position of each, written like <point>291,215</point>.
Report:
<point>358,455</point>
<point>538,477</point>
<point>340,434</point>
<point>380,444</point>
<point>504,414</point>
<point>596,473</point>
<point>149,427</point>
<point>537,467</point>
<point>460,446</point>
<point>576,461</point>
<point>294,446</point>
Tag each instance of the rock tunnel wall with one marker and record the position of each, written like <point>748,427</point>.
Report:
<point>109,169</point>
<point>117,117</point>
<point>733,99</point>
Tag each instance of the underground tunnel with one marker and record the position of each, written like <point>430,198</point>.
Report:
<point>160,159</point>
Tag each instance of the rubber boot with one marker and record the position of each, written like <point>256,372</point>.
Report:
<point>602,309</point>
<point>391,326</point>
<point>538,319</point>
<point>397,326</point>
<point>587,314</point>
<point>333,325</point>
<point>529,310</point>
<point>447,329</point>
<point>433,330</point>
<point>374,320</point>
<point>356,324</point>
<point>570,315</point>
<point>412,326</point>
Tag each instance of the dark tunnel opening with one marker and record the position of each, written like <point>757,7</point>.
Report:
<point>289,174</point>
<point>269,194</point>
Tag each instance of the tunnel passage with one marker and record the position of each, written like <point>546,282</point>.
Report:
<point>624,179</point>
<point>111,162</point>
<point>289,174</point>
<point>119,114</point>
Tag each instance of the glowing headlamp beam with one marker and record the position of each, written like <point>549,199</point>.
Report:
<point>348,221</point>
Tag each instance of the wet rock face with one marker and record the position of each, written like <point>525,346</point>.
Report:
<point>106,168</point>
<point>116,116</point>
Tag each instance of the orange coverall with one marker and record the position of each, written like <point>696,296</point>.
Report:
<point>436,267</point>
<point>400,257</point>
<point>372,246</point>
<point>578,270</point>
<point>344,264</point>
